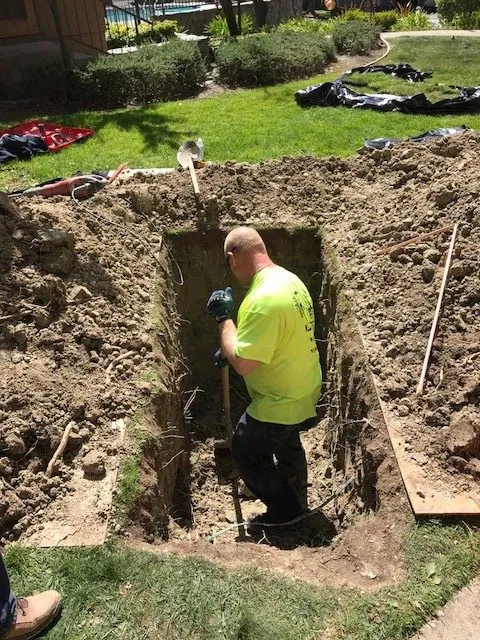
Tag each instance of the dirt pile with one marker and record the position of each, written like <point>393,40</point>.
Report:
<point>73,337</point>
<point>77,284</point>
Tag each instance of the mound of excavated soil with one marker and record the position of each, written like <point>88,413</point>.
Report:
<point>78,339</point>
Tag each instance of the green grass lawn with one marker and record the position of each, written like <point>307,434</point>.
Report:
<point>252,125</point>
<point>113,593</point>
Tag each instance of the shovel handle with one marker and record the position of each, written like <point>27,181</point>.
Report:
<point>193,176</point>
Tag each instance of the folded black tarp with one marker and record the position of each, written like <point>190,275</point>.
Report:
<point>334,94</point>
<point>434,134</point>
<point>13,147</point>
<point>403,71</point>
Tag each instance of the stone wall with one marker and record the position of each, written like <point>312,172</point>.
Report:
<point>196,21</point>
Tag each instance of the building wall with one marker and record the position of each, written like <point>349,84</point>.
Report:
<point>83,24</point>
<point>27,27</point>
<point>29,44</point>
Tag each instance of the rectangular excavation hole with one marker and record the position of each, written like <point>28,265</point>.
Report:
<point>336,449</point>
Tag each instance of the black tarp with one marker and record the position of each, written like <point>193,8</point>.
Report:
<point>336,93</point>
<point>403,71</point>
<point>434,134</point>
<point>13,147</point>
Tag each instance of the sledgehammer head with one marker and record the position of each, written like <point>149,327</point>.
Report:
<point>224,463</point>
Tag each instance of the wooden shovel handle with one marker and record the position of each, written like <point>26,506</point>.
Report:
<point>193,176</point>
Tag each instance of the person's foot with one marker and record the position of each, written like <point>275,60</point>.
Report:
<point>34,615</point>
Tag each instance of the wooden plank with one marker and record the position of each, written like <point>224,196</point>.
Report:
<point>427,499</point>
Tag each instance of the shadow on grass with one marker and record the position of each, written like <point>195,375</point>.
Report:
<point>154,127</point>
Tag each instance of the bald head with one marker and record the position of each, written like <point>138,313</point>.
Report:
<point>246,253</point>
<point>244,240</point>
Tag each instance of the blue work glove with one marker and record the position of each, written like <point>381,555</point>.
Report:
<point>218,360</point>
<point>220,304</point>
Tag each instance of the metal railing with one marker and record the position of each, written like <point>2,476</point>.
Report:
<point>129,12</point>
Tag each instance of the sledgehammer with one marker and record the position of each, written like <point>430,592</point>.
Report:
<point>222,448</point>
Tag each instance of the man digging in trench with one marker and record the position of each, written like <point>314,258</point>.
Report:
<point>273,347</point>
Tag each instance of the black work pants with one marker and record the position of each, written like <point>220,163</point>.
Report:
<point>7,601</point>
<point>270,458</point>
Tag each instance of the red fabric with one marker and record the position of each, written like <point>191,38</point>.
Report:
<point>56,136</point>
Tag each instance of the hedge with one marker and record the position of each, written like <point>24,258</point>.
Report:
<point>150,74</point>
<point>120,35</point>
<point>355,37</point>
<point>270,58</point>
<point>385,19</point>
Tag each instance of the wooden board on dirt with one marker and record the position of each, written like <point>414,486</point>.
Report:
<point>427,498</point>
<point>82,518</point>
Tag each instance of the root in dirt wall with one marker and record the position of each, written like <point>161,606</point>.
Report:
<point>355,435</point>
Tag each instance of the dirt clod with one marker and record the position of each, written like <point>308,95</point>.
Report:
<point>464,433</point>
<point>94,465</point>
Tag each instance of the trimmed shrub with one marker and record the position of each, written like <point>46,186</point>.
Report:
<point>413,21</point>
<point>159,31</point>
<point>52,82</point>
<point>119,35</point>
<point>356,37</point>
<point>150,74</point>
<point>270,58</point>
<point>355,15</point>
<point>385,19</point>
<point>304,25</point>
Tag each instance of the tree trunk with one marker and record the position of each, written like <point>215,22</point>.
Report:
<point>67,63</point>
<point>230,17</point>
<point>261,9</point>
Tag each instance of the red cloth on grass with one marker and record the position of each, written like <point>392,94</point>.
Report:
<point>56,136</point>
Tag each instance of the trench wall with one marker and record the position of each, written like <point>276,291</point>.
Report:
<point>187,338</point>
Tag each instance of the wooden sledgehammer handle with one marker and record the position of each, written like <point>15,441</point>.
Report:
<point>226,393</point>
<point>228,423</point>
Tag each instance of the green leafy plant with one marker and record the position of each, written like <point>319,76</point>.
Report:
<point>272,58</point>
<point>458,12</point>
<point>467,21</point>
<point>354,15</point>
<point>404,8</point>
<point>217,28</point>
<point>355,37</point>
<point>119,35</point>
<point>159,31</point>
<point>305,25</point>
<point>150,74</point>
<point>413,21</point>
